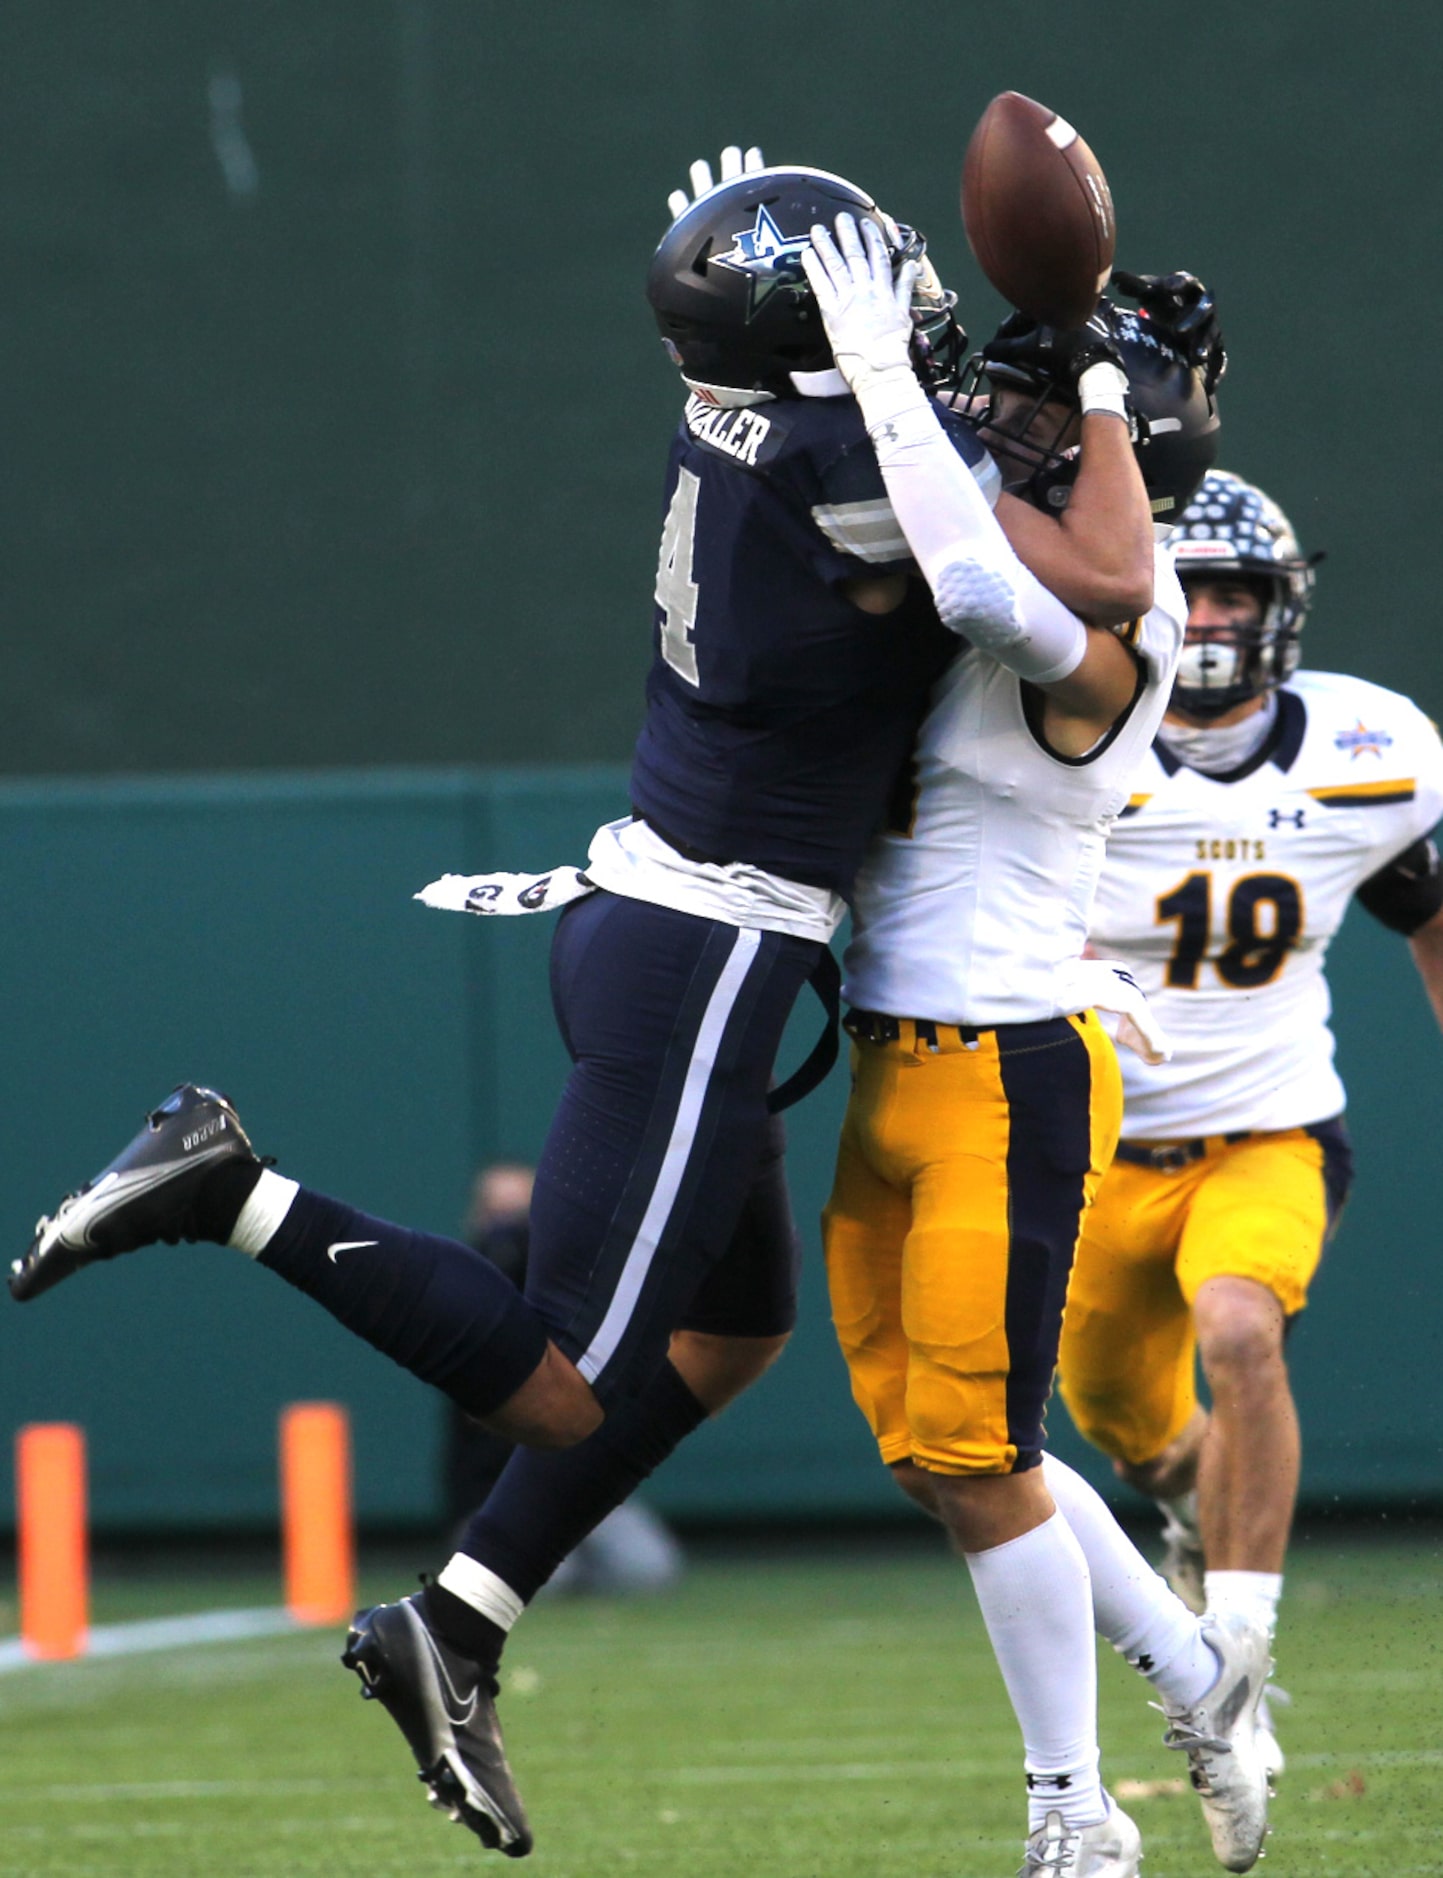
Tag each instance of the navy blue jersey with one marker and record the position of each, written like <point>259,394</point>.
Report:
<point>779,715</point>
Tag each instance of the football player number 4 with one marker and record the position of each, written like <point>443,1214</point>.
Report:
<point>676,591</point>
<point>1264,919</point>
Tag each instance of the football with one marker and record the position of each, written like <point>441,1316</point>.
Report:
<point>1037,211</point>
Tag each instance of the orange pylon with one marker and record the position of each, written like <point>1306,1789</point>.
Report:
<point>316,1519</point>
<point>54,1550</point>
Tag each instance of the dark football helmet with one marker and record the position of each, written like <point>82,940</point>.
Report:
<point>734,308</point>
<point>1231,530</point>
<point>1177,416</point>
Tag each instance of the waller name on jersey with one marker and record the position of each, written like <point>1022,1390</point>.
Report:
<point>740,433</point>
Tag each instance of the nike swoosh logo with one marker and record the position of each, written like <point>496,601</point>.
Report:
<point>459,1709</point>
<point>347,1245</point>
<point>1229,1710</point>
<point>116,1189</point>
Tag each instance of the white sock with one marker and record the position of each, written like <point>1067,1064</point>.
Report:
<point>266,1206</point>
<point>1253,1595</point>
<point>1037,1605</point>
<point>1134,1609</point>
<point>467,1579</point>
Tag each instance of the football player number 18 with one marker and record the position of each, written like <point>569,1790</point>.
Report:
<point>1264,919</point>
<point>676,591</point>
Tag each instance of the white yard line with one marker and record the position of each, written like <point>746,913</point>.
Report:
<point>883,1770</point>
<point>163,1633</point>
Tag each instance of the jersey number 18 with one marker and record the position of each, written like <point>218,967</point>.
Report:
<point>1265,917</point>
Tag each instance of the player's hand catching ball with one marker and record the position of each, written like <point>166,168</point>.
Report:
<point>1083,358</point>
<point>1049,352</point>
<point>1185,313</point>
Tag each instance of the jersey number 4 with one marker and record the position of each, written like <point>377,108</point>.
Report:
<point>676,591</point>
<point>1264,919</point>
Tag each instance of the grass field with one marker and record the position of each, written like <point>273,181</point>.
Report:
<point>805,1715</point>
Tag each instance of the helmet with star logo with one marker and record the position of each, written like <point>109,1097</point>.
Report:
<point>1232,531</point>
<point>734,308</point>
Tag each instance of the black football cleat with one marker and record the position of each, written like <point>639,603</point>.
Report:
<point>146,1194</point>
<point>444,1704</point>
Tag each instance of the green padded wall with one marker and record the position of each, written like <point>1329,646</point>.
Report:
<point>334,426</point>
<point>259,932</point>
<point>334,417</point>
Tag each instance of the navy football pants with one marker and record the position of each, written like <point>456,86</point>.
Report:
<point>659,1201</point>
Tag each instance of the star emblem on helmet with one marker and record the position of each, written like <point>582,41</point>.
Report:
<point>768,258</point>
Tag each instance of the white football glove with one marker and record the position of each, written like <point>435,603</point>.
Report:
<point>1108,985</point>
<point>867,314</point>
<point>734,163</point>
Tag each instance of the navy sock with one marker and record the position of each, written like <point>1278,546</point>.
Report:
<point>223,1193</point>
<point>432,1305</point>
<point>544,1505</point>
<point>462,1626</point>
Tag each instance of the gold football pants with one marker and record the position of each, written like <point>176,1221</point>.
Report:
<point>965,1165</point>
<point>1259,1208</point>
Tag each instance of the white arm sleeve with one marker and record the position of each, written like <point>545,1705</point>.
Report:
<point>981,588</point>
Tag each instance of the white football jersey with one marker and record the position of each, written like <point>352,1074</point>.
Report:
<point>1222,897</point>
<point>977,910</point>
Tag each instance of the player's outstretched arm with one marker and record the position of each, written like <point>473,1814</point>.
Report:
<point>1426,945</point>
<point>1097,556</point>
<point>1405,893</point>
<point>981,587</point>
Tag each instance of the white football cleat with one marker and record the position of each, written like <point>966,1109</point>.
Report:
<point>1273,1757</point>
<point>1110,1849</point>
<point>1183,1564</point>
<point>1219,1734</point>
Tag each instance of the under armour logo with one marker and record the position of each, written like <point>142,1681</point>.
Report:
<point>1144,1664</point>
<point>1276,817</point>
<point>1059,1782</point>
